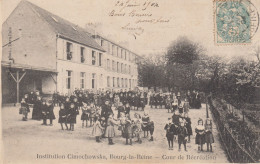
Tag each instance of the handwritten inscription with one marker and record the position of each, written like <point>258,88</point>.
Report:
<point>138,13</point>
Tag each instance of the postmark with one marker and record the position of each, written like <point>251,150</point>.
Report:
<point>236,21</point>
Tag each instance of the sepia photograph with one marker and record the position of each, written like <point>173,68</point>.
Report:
<point>130,81</point>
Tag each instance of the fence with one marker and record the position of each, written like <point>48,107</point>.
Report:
<point>235,151</point>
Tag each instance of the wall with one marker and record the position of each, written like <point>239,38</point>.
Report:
<point>37,44</point>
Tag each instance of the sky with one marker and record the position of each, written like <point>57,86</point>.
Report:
<point>147,28</point>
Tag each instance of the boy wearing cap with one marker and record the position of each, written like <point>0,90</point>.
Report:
<point>170,129</point>
<point>182,135</point>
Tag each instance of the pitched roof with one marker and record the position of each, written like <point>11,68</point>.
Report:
<point>66,29</point>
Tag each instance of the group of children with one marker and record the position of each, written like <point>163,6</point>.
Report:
<point>101,117</point>
<point>179,125</point>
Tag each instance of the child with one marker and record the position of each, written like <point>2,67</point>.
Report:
<point>72,116</point>
<point>120,109</point>
<point>209,139</point>
<point>62,116</point>
<point>145,122</point>
<point>121,127</point>
<point>168,103</point>
<point>24,109</point>
<point>44,112</point>
<point>174,104</point>
<point>186,106</point>
<point>128,131</point>
<point>127,108</point>
<point>180,107</point>
<point>188,125</point>
<point>138,127</point>
<point>182,135</point>
<point>110,131</point>
<point>200,136</point>
<point>170,128</point>
<point>97,129</point>
<point>92,113</point>
<point>50,114</point>
<point>85,114</point>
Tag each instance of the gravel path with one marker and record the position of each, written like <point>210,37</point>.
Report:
<point>30,142</point>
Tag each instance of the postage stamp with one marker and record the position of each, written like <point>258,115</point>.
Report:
<point>236,22</point>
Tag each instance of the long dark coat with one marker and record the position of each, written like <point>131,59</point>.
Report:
<point>50,113</point>
<point>36,113</point>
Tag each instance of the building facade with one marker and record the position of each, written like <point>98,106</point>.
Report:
<point>44,52</point>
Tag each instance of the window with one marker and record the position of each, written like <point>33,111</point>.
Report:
<point>101,80</point>
<point>108,81</point>
<point>125,68</point>
<point>117,67</point>
<point>108,47</point>
<point>122,83</point>
<point>108,64</point>
<point>126,84</point>
<point>117,51</point>
<point>102,43</point>
<point>122,69</point>
<point>93,58</point>
<point>100,59</point>
<point>125,54</point>
<point>114,81</point>
<point>113,65</point>
<point>113,50</point>
<point>118,82</point>
<point>93,80</point>
<point>69,51</point>
<point>82,56</point>
<point>82,80</point>
<point>68,79</point>
<point>130,83</point>
<point>121,53</point>
<point>129,69</point>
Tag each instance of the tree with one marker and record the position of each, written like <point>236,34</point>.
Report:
<point>183,51</point>
<point>151,71</point>
<point>181,65</point>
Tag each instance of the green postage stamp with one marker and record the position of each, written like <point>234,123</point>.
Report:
<point>236,21</point>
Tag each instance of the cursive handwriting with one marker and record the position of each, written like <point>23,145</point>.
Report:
<point>153,21</point>
<point>138,12</point>
<point>135,3</point>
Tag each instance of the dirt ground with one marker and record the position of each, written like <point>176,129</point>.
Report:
<point>31,142</point>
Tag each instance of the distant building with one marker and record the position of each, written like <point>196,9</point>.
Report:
<point>42,51</point>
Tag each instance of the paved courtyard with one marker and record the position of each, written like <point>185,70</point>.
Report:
<point>30,142</point>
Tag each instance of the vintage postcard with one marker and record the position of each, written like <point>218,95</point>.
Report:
<point>130,81</point>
